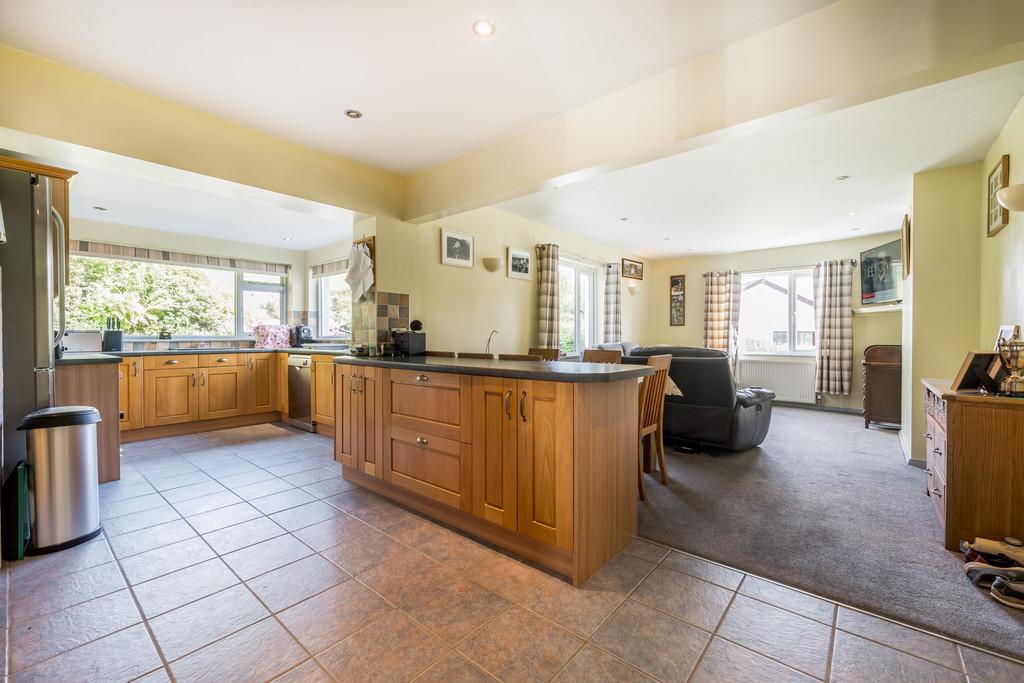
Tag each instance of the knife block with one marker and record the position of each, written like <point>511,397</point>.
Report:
<point>113,340</point>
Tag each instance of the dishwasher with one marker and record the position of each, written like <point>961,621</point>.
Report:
<point>300,395</point>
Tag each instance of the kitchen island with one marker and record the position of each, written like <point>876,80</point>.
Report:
<point>539,458</point>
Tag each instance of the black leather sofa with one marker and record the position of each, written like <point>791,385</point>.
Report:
<point>710,411</point>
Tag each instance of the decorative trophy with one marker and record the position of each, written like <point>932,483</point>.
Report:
<point>1011,352</point>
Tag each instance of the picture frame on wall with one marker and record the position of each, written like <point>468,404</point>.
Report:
<point>677,300</point>
<point>634,270</point>
<point>998,216</point>
<point>520,264</point>
<point>905,245</point>
<point>456,249</point>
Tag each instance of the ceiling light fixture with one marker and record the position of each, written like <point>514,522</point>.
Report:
<point>484,28</point>
<point>353,113</point>
<point>287,239</point>
<point>100,208</point>
<point>842,177</point>
<point>624,218</point>
<point>1012,197</point>
<point>853,213</point>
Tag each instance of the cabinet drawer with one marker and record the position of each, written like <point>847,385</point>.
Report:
<point>441,379</point>
<point>935,444</point>
<point>217,360</point>
<point>438,406</point>
<point>937,492</point>
<point>431,466</point>
<point>171,361</point>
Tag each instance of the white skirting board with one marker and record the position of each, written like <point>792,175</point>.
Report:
<point>792,379</point>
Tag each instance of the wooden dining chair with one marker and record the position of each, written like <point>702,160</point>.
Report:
<point>470,354</point>
<point>440,354</point>
<point>652,411</point>
<point>602,356</point>
<point>546,354</point>
<point>519,356</point>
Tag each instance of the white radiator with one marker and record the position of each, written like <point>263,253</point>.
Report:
<point>792,380</point>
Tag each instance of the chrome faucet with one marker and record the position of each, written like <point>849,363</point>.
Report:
<point>487,347</point>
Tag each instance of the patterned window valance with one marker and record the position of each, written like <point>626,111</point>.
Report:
<point>177,258</point>
<point>330,268</point>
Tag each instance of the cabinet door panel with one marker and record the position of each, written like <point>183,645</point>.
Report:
<point>261,382</point>
<point>323,389</point>
<point>221,392</point>
<point>494,450</point>
<point>171,396</point>
<point>368,423</point>
<point>124,410</point>
<point>430,466</point>
<point>545,444</point>
<point>438,405</point>
<point>344,424</point>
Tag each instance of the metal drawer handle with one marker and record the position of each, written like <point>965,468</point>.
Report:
<point>222,360</point>
<point>522,406</point>
<point>135,369</point>
<point>935,492</point>
<point>508,404</point>
<point>202,378</point>
<point>171,361</point>
<point>422,378</point>
<point>421,441</point>
<point>193,379</point>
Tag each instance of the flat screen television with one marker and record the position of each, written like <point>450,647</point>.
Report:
<point>881,274</point>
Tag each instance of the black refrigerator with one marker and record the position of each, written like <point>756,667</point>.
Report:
<point>31,280</point>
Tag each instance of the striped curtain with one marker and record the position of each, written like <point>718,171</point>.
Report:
<point>833,322</point>
<point>176,258</point>
<point>337,267</point>
<point>722,312</point>
<point>612,304</point>
<point>547,296</point>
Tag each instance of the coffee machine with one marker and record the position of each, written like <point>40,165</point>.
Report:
<point>301,334</point>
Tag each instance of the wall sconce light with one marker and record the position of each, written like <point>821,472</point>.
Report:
<point>1012,197</point>
<point>493,264</point>
<point>631,288</point>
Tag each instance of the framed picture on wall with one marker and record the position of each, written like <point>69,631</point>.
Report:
<point>520,264</point>
<point>456,249</point>
<point>999,178</point>
<point>677,300</point>
<point>634,270</point>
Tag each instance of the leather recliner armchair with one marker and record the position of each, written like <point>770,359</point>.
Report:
<point>710,411</point>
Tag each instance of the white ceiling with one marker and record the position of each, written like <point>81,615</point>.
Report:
<point>429,89</point>
<point>197,205</point>
<point>779,188</point>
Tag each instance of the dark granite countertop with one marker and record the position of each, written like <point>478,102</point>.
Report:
<point>554,371</point>
<point>86,358</point>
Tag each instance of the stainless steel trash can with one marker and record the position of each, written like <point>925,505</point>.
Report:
<point>63,477</point>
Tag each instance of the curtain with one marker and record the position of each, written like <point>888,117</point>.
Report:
<point>612,304</point>
<point>833,322</point>
<point>175,258</point>
<point>722,312</point>
<point>547,296</point>
<point>338,267</point>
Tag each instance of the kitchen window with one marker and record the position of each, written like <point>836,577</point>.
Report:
<point>261,298</point>
<point>777,313</point>
<point>576,304</point>
<point>335,307</point>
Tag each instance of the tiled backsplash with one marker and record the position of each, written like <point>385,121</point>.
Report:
<point>392,312</point>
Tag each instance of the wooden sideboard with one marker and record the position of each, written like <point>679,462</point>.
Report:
<point>975,463</point>
<point>883,369</point>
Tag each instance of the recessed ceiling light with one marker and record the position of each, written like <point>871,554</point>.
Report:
<point>353,113</point>
<point>624,218</point>
<point>854,229</point>
<point>287,239</point>
<point>667,239</point>
<point>853,213</point>
<point>100,208</point>
<point>484,28</point>
<point>842,177</point>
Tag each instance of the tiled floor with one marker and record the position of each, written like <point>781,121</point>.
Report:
<point>242,555</point>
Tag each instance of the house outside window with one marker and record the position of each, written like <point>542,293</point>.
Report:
<point>576,306</point>
<point>777,313</point>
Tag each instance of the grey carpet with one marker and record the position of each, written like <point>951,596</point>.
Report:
<point>831,508</point>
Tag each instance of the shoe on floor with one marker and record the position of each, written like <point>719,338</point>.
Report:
<point>1010,594</point>
<point>971,555</point>
<point>982,574</point>
<point>987,546</point>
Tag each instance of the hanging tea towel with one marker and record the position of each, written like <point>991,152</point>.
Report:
<point>360,270</point>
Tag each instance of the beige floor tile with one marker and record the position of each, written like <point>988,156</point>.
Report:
<point>702,569</point>
<point>596,666</point>
<point>621,575</point>
<point>726,662</point>
<point>520,646</point>
<point>416,531</point>
<point>158,676</point>
<point>986,668</point>
<point>332,532</point>
<point>333,615</point>
<point>647,551</point>
<point>406,577</point>
<point>262,557</point>
<point>654,642</point>
<point>49,635</point>
<point>277,502</point>
<point>214,501</point>
<point>392,648</point>
<point>29,599</point>
<point>455,609</point>
<point>124,488</point>
<point>118,508</point>
<point>200,623</point>
<point>325,488</point>
<point>507,577</point>
<point>581,610</point>
<point>307,672</point>
<point>234,481</point>
<point>151,538</point>
<point>290,467</point>
<point>685,597</point>
<point>121,656</point>
<point>856,659</point>
<point>305,515</point>
<point>261,488</point>
<point>191,491</point>
<point>177,480</point>
<point>454,669</point>
<point>364,552</point>
<point>170,558</point>
<point>796,641</point>
<point>370,508</point>
<point>140,520</point>
<point>183,586</point>
<point>256,653</point>
<point>793,600</point>
<point>308,477</point>
<point>456,551</point>
<point>223,517</point>
<point>43,569</point>
<point>292,583</point>
<point>243,535</point>
<point>900,637</point>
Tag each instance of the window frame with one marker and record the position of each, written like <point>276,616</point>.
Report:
<point>791,273</point>
<point>321,311</point>
<point>241,287</point>
<point>579,268</point>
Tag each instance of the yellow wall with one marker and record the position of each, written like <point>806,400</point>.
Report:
<point>460,306</point>
<point>943,289</point>
<point>1002,256</point>
<point>873,328</point>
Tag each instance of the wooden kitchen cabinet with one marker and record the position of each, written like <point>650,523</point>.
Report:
<point>130,391</point>
<point>495,425</point>
<point>261,382</point>
<point>222,392</point>
<point>323,390</point>
<point>171,395</point>
<point>357,430</point>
